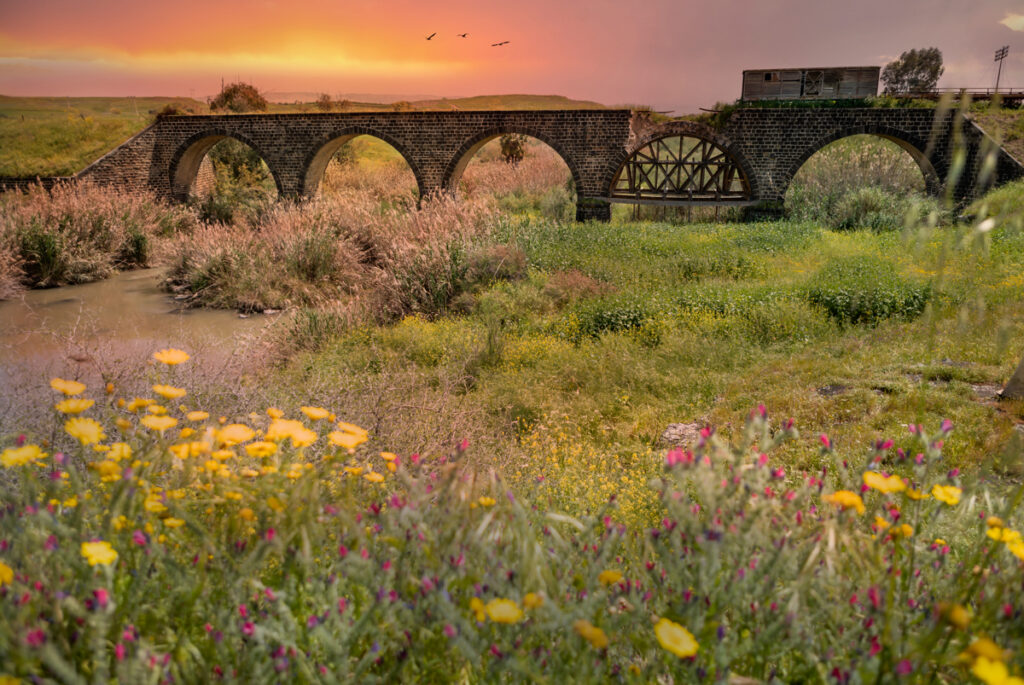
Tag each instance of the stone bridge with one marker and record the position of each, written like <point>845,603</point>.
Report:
<point>613,155</point>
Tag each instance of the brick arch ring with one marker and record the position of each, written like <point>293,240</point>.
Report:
<point>691,129</point>
<point>461,159</point>
<point>911,144</point>
<point>189,155</point>
<point>324,149</point>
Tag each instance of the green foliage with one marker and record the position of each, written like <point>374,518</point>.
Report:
<point>866,290</point>
<point>916,71</point>
<point>239,97</point>
<point>513,148</point>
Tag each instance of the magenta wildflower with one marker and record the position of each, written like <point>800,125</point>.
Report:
<point>248,628</point>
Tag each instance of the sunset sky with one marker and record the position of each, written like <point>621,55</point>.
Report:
<point>674,54</point>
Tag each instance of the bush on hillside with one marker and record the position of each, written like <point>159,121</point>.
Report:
<point>239,97</point>
<point>866,290</point>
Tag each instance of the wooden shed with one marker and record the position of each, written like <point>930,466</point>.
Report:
<point>829,83</point>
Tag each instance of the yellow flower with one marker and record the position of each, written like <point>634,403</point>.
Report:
<point>994,672</point>
<point>158,423</point>
<point>351,428</point>
<point>171,356</point>
<point>940,541</point>
<point>280,429</point>
<point>6,574</point>
<point>19,456</point>
<point>477,607</point>
<point>99,553</point>
<point>261,449</point>
<point>504,611</point>
<point>1016,548</point>
<point>247,514</point>
<point>153,504</point>
<point>275,504</point>
<point>235,433</point>
<point>955,615</point>
<point>881,523</point>
<point>172,522</point>
<point>86,431</point>
<point>123,424</point>
<point>1007,535</point>
<point>916,494</point>
<point>274,413</point>
<point>353,470</point>
<point>315,413</point>
<point>904,530</point>
<point>73,405</point>
<point>675,638</point>
<point>882,483</point>
<point>67,387</point>
<point>609,577</point>
<point>486,501</point>
<point>157,409</point>
<point>374,477</point>
<point>197,415</point>
<point>388,456</point>
<point>845,499</point>
<point>984,647</point>
<point>591,633</point>
<point>347,440</point>
<point>139,403</point>
<point>948,494</point>
<point>533,601</point>
<point>994,522</point>
<point>169,391</point>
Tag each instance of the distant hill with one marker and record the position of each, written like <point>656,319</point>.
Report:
<point>59,136</point>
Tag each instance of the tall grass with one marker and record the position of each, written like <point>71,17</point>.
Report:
<point>77,233</point>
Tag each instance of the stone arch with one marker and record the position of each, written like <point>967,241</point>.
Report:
<point>911,144</point>
<point>465,153</point>
<point>652,133</point>
<point>321,153</point>
<point>186,160</point>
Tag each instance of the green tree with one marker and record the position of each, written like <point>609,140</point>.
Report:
<point>239,97</point>
<point>513,148</point>
<point>916,71</point>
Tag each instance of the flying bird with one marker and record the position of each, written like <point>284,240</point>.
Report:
<point>461,35</point>
<point>432,35</point>
<point>495,45</point>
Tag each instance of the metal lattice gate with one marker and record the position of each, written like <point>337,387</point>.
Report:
<point>681,170</point>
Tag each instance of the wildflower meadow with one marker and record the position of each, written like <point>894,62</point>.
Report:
<point>143,539</point>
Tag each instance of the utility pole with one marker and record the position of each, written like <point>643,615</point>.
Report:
<point>1000,56</point>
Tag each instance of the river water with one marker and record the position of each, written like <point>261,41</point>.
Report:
<point>106,332</point>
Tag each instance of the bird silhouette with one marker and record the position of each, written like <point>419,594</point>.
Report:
<point>432,35</point>
<point>461,35</point>
<point>495,45</point>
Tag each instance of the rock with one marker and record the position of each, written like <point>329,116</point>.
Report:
<point>832,389</point>
<point>681,434</point>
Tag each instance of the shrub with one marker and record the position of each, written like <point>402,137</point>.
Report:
<point>304,553</point>
<point>239,97</point>
<point>78,233</point>
<point>865,289</point>
<point>877,209</point>
<point>513,148</point>
<point>591,320</point>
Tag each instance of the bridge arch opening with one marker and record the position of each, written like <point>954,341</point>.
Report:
<point>222,168</point>
<point>519,169</point>
<point>364,162</point>
<point>869,178</point>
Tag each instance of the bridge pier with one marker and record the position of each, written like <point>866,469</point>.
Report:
<point>591,209</point>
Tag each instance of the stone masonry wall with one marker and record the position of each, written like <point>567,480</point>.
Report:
<point>769,144</point>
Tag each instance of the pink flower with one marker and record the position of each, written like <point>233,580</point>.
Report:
<point>342,605</point>
<point>874,596</point>
<point>449,630</point>
<point>946,426</point>
<point>50,544</point>
<point>342,551</point>
<point>102,597</point>
<point>119,651</point>
<point>243,611</point>
<point>35,638</point>
<point>904,667</point>
<point>364,553</point>
<point>248,628</point>
<point>270,534</point>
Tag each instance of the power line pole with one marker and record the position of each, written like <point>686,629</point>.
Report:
<point>1000,56</point>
